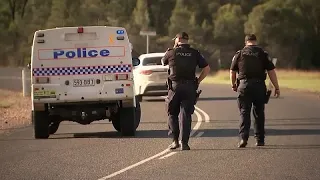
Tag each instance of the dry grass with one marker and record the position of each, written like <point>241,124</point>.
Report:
<point>292,79</point>
<point>15,110</point>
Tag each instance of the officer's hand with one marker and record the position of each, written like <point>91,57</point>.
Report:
<point>234,88</point>
<point>277,93</point>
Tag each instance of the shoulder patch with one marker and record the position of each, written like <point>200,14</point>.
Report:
<point>236,55</point>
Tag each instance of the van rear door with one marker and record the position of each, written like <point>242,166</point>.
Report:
<point>82,63</point>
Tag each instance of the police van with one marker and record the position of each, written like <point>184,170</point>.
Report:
<point>83,74</point>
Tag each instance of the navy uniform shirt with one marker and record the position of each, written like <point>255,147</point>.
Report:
<point>247,65</point>
<point>201,61</point>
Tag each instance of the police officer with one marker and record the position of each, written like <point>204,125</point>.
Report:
<point>251,63</point>
<point>182,83</point>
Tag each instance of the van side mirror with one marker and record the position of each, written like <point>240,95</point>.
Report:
<point>135,61</point>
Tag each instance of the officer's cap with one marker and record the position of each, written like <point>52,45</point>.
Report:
<point>250,37</point>
<point>182,35</point>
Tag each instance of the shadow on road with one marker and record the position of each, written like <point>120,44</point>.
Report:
<point>164,134</point>
<point>269,132</point>
<point>200,99</point>
<point>207,133</point>
<point>113,134</point>
<point>298,146</point>
<point>218,98</point>
<point>268,120</point>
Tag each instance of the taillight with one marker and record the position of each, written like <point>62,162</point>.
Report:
<point>122,76</point>
<point>80,29</point>
<point>42,80</point>
<point>146,72</point>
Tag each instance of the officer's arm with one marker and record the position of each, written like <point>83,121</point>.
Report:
<point>165,58</point>
<point>234,69</point>
<point>203,64</point>
<point>269,66</point>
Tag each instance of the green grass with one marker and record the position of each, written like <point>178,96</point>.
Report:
<point>5,101</point>
<point>5,104</point>
<point>292,79</point>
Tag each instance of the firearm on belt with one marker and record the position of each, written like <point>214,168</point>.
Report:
<point>267,96</point>
<point>198,92</point>
<point>237,83</point>
<point>268,93</point>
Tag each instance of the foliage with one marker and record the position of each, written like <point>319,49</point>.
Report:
<point>288,29</point>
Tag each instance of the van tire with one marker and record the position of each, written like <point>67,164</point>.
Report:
<point>41,124</point>
<point>116,121</point>
<point>139,98</point>
<point>127,121</point>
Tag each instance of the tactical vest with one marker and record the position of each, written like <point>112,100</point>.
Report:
<point>183,64</point>
<point>251,65</point>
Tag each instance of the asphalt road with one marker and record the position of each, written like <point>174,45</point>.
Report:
<point>96,151</point>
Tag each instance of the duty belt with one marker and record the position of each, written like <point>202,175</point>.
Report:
<point>183,81</point>
<point>251,80</point>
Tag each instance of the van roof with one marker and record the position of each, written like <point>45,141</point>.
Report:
<point>72,27</point>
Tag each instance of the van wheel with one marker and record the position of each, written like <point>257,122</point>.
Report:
<point>53,127</point>
<point>139,98</point>
<point>127,121</point>
<point>41,124</point>
<point>116,122</point>
<point>122,121</point>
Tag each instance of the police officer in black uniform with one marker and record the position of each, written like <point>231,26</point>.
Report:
<point>182,83</point>
<point>251,63</point>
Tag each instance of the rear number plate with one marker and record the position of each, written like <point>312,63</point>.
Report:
<point>83,82</point>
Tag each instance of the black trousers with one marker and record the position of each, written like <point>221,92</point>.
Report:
<point>251,94</point>
<point>180,101</point>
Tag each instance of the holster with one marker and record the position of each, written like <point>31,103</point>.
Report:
<point>237,83</point>
<point>198,92</point>
<point>169,84</point>
<point>267,96</point>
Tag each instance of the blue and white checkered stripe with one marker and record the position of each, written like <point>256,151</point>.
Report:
<point>65,71</point>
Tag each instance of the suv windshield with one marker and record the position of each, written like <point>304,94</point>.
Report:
<point>152,61</point>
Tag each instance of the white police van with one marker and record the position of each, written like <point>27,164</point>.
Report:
<point>83,74</point>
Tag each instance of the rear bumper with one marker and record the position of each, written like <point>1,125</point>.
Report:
<point>56,93</point>
<point>153,89</point>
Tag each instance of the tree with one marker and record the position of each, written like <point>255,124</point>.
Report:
<point>228,31</point>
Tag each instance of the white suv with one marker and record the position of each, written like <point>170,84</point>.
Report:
<point>150,76</point>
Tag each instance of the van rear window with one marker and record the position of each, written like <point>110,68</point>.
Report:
<point>80,37</point>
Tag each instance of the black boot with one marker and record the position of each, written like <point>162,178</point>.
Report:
<point>185,146</point>
<point>175,144</point>
<point>242,143</point>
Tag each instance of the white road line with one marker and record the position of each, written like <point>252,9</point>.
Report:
<point>135,165</point>
<point>194,129</point>
<point>206,116</point>
<point>197,126</point>
<point>199,134</point>
<point>168,155</point>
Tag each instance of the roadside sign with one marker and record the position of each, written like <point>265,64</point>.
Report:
<point>148,33</point>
